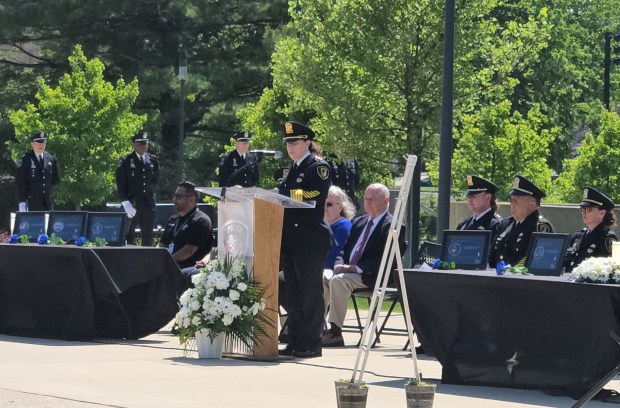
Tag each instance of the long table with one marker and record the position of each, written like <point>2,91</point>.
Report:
<point>514,330</point>
<point>76,293</point>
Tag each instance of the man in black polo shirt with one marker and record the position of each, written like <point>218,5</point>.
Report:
<point>189,234</point>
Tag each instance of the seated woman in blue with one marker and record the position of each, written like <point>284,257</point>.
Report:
<point>338,213</point>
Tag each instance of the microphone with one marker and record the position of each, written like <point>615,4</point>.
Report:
<point>267,153</point>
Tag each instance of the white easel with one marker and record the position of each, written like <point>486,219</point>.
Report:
<point>391,252</point>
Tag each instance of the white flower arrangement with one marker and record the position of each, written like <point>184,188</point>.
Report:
<point>224,299</point>
<point>597,270</point>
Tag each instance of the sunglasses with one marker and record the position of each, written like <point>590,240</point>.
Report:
<point>331,204</point>
<point>587,209</point>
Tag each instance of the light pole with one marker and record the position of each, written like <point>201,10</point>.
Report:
<point>445,141</point>
<point>182,79</point>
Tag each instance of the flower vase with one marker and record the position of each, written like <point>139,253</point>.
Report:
<point>208,348</point>
<point>420,396</point>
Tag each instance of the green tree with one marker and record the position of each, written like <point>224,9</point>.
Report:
<point>90,125</point>
<point>596,165</point>
<point>227,45</point>
<point>497,144</point>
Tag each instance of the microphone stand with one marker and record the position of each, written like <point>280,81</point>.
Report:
<point>229,179</point>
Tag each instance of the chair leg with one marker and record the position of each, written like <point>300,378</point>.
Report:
<point>359,320</point>
<point>387,316</point>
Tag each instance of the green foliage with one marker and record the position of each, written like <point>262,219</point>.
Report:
<point>24,239</point>
<point>497,144</point>
<point>54,240</point>
<point>90,124</point>
<point>597,163</point>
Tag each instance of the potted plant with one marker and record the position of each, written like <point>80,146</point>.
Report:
<point>351,394</point>
<point>225,300</point>
<point>420,394</point>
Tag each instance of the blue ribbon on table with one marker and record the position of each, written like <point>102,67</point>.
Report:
<point>43,239</point>
<point>501,267</point>
<point>14,239</point>
<point>81,241</point>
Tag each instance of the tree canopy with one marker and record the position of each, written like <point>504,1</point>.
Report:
<point>90,122</point>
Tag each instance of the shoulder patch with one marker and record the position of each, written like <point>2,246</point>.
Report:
<point>120,162</point>
<point>323,171</point>
<point>543,227</point>
<point>609,243</point>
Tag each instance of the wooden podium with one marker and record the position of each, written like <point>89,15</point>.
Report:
<point>250,225</point>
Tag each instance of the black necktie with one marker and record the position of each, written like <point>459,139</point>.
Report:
<point>41,161</point>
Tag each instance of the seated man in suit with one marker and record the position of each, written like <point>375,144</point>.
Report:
<point>357,266</point>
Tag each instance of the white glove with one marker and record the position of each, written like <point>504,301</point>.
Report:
<point>129,209</point>
<point>22,207</point>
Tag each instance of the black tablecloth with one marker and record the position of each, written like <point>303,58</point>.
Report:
<point>516,331</point>
<point>76,293</point>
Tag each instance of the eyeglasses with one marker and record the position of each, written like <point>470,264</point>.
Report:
<point>178,196</point>
<point>587,209</point>
<point>331,204</point>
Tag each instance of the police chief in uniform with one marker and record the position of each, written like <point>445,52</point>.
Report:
<point>36,174</point>
<point>137,176</point>
<point>513,234</point>
<point>596,239</point>
<point>306,238</point>
<point>481,203</point>
<point>235,160</point>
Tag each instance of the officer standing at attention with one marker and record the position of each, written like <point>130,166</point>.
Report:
<point>236,159</point>
<point>36,174</point>
<point>137,176</point>
<point>513,234</point>
<point>306,238</point>
<point>481,202</point>
<point>597,214</point>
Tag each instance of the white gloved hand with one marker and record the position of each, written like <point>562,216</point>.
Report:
<point>129,209</point>
<point>22,207</point>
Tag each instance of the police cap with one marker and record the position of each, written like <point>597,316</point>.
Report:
<point>38,136</point>
<point>477,185</point>
<point>141,136</point>
<point>294,131</point>
<point>594,198</point>
<point>523,187</point>
<point>243,136</point>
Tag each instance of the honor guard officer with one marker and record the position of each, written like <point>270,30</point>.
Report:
<point>513,234</point>
<point>481,202</point>
<point>36,174</point>
<point>235,160</point>
<point>306,238</point>
<point>137,176</point>
<point>597,213</point>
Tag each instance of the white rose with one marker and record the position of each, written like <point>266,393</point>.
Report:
<point>227,320</point>
<point>234,295</point>
<point>241,286</point>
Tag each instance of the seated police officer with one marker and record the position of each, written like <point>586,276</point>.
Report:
<point>481,202</point>
<point>189,234</point>
<point>513,234</point>
<point>597,213</point>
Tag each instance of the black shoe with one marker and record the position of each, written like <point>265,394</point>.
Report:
<point>331,339</point>
<point>308,353</point>
<point>286,351</point>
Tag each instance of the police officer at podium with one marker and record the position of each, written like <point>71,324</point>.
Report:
<point>235,160</point>
<point>513,234</point>
<point>137,176</point>
<point>36,174</point>
<point>306,238</point>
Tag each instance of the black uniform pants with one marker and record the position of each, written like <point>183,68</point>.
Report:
<point>145,219</point>
<point>302,259</point>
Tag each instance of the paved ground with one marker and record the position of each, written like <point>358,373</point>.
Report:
<point>154,372</point>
